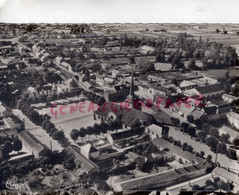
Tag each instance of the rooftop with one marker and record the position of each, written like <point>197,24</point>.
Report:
<point>32,140</point>
<point>128,117</point>
<point>86,164</point>
<point>128,133</point>
<point>210,89</point>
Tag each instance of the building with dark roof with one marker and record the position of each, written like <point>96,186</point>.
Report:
<point>128,116</point>
<point>32,144</point>
<point>80,160</point>
<point>211,90</point>
<point>128,137</point>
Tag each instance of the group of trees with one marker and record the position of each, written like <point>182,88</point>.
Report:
<point>54,132</point>
<point>186,128</point>
<point>212,54</point>
<point>95,129</point>
<point>26,109</point>
<point>8,147</point>
<point>184,146</point>
<point>216,184</point>
<point>210,135</point>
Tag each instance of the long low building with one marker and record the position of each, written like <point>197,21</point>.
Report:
<point>32,144</point>
<point>80,160</point>
<point>159,181</point>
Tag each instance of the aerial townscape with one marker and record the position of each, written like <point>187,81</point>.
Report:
<point>119,108</point>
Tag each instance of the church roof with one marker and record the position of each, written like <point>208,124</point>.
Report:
<point>128,117</point>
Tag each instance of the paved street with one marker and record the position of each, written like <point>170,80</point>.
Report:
<point>224,160</point>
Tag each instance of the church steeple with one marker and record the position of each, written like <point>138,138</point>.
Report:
<point>131,92</point>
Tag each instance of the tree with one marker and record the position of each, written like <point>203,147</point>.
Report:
<point>190,118</point>
<point>192,131</point>
<point>222,148</point>
<point>17,145</point>
<point>209,157</point>
<point>185,145</point>
<point>225,138</point>
<point>212,143</point>
<point>185,126</point>
<point>74,134</point>
<point>69,163</point>
<point>52,131</point>
<point>43,98</point>
<point>232,154</point>
<point>7,148</point>
<point>198,123</point>
<point>206,127</point>
<point>58,135</point>
<point>202,153</point>
<point>34,181</point>
<point>190,148</point>
<point>175,121</point>
<point>236,142</point>
<point>192,65</point>
<point>82,132</point>
<point>195,187</point>
<point>208,182</point>
<point>202,135</point>
<point>44,123</point>
<point>49,126</point>
<point>214,132</point>
<point>131,60</point>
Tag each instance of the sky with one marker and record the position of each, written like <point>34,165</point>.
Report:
<point>119,11</point>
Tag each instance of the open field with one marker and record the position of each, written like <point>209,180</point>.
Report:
<point>74,120</point>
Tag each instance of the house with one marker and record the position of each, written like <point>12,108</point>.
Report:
<point>85,85</point>
<point>197,114</point>
<point>66,66</point>
<point>89,151</point>
<point>32,144</point>
<point>227,130</point>
<point>146,49</point>
<point>47,90</point>
<point>162,67</point>
<point>191,92</point>
<point>80,160</point>
<point>185,109</point>
<point>158,79</point>
<point>229,98</point>
<point>115,73</point>
<point>66,86</point>
<point>187,85</point>
<point>156,131</point>
<point>233,119</point>
<point>126,138</point>
<point>158,91</point>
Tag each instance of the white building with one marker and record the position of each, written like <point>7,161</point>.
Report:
<point>233,119</point>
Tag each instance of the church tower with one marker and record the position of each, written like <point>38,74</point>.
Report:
<point>131,92</point>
